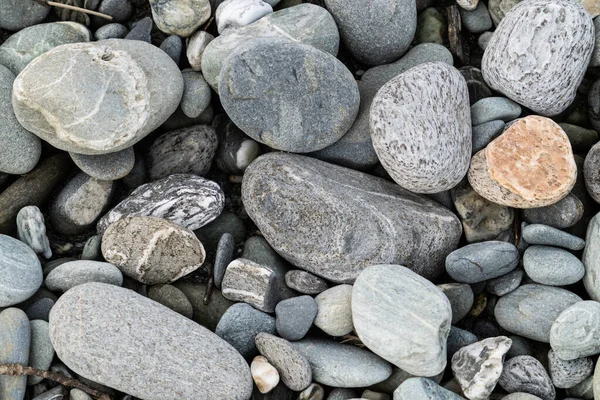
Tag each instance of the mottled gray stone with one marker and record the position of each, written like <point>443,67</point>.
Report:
<point>152,250</point>
<point>566,374</point>
<point>506,283</point>
<point>19,14</point>
<point>171,297</point>
<point>225,254</point>
<point>79,204</point>
<point>375,33</point>
<point>294,368</point>
<point>494,108</point>
<point>111,31</point>
<point>40,309</point>
<point>141,30</point>
<point>334,310</point>
<point>20,269</point>
<point>481,261</point>
<point>295,316</point>
<point>423,389</point>
<point>15,336</point>
<point>173,45</point>
<point>485,133</point>
<point>148,342</point>
<point>342,365</point>
<point>180,17</point>
<point>457,339</point>
<point>591,172</point>
<point>106,167</point>
<point>182,151</point>
<point>477,20</point>
<point>305,282</point>
<point>547,235</point>
<point>526,374</point>
<point>73,273</point>
<point>240,324</point>
<point>288,219</point>
<point>236,150</point>
<point>576,331</point>
<point>41,352</point>
<point>552,266</point>
<point>477,367</point>
<point>461,299</point>
<point>31,229</point>
<point>238,13</point>
<point>145,88</point>
<point>549,66</point>
<point>591,258</point>
<point>207,315</point>
<point>531,309</point>
<point>384,294</point>
<point>187,200</point>
<point>563,214</point>
<point>196,93</point>
<point>441,162</point>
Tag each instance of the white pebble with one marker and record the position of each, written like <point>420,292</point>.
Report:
<point>237,13</point>
<point>264,374</point>
<point>195,48</point>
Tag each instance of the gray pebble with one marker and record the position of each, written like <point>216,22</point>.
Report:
<point>481,261</point>
<point>477,20</point>
<point>196,93</point>
<point>15,336</point>
<point>461,299</point>
<point>484,39</point>
<point>457,339</point>
<point>583,390</point>
<point>305,282</point>
<point>531,309</point>
<point>120,10</point>
<point>41,352</point>
<point>566,374</point>
<point>40,309</point>
<point>486,132</point>
<point>526,374</point>
<point>180,17</point>
<point>73,273</point>
<point>58,393</point>
<point>106,167</point>
<point>225,253</point>
<point>195,46</point>
<point>240,324</point>
<point>581,139</point>
<point>494,108</point>
<point>173,45</point>
<point>342,365</point>
<point>20,269</point>
<point>506,283</point>
<point>141,30</point>
<point>171,297</point>
<point>19,14</point>
<point>111,31</point>
<point>594,104</point>
<point>547,235</point>
<point>563,214</point>
<point>295,316</point>
<point>423,389</point>
<point>334,310</point>
<point>138,175</point>
<point>591,258</point>
<point>591,172</point>
<point>92,249</point>
<point>227,222</point>
<point>31,229</point>
<point>207,315</point>
<point>552,266</point>
<point>576,331</point>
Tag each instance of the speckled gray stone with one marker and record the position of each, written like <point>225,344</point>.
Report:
<point>173,45</point>
<point>295,316</point>
<point>384,294</point>
<point>505,284</point>
<point>526,374</point>
<point>141,30</point>
<point>240,324</point>
<point>196,93</point>
<point>576,331</point>
<point>563,214</point>
<point>481,261</point>
<point>187,200</point>
<point>315,95</point>
<point>375,33</point>
<point>423,389</point>
<point>547,235</point>
<point>106,167</point>
<point>20,269</point>
<point>40,309</point>
<point>485,133</point>
<point>566,374</point>
<point>19,14</point>
<point>461,299</point>
<point>531,309</point>
<point>477,20</point>
<point>334,310</point>
<point>111,31</point>
<point>73,273</point>
<point>180,17</point>
<point>494,108</point>
<point>457,339</point>
<point>305,282</point>
<point>591,258</point>
<point>591,172</point>
<point>225,254</point>
<point>539,53</point>
<point>342,365</point>
<point>31,229</point>
<point>442,161</point>
<point>183,151</point>
<point>288,222</point>
<point>41,352</point>
<point>144,90</point>
<point>552,266</point>
<point>15,336</point>
<point>129,351</point>
<point>294,368</point>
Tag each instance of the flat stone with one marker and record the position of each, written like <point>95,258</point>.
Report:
<point>20,269</point>
<point>334,310</point>
<point>171,297</point>
<point>293,367</point>
<point>402,295</point>
<point>225,254</point>
<point>236,150</point>
<point>443,161</point>
<point>183,151</point>
<point>423,389</point>
<point>196,44</point>
<point>552,266</point>
<point>531,309</point>
<point>106,167</point>
<point>18,14</point>
<point>152,250</point>
<point>477,20</point>
<point>566,374</point>
<point>341,365</point>
<point>31,229</point>
<point>457,339</point>
<point>142,75</point>
<point>505,284</point>
<point>73,273</point>
<point>564,44</point>
<point>461,299</point>
<point>141,30</point>
<point>287,219</point>
<point>305,282</point>
<point>41,352</point>
<point>526,374</point>
<point>240,324</point>
<point>129,351</point>
<point>591,258</point>
<point>236,13</point>
<point>481,261</point>
<point>181,17</point>
<point>187,200</point>
<point>173,45</point>
<point>562,214</point>
<point>494,108</point>
<point>496,175</point>
<point>111,31</point>
<point>295,316</point>
<point>196,93</point>
<point>40,309</point>
<point>547,235</point>
<point>15,336</point>
<point>207,315</point>
<point>486,132</point>
<point>576,331</point>
<point>375,33</point>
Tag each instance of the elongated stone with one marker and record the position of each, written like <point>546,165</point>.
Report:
<point>293,367</point>
<point>591,258</point>
<point>562,214</point>
<point>15,336</point>
<point>31,229</point>
<point>481,261</point>
<point>576,331</point>
<point>20,269</point>
<point>544,234</point>
<point>296,200</point>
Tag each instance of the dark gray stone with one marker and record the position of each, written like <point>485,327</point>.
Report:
<point>461,299</point>
<point>581,139</point>
<point>31,229</point>
<point>566,374</point>
<point>227,222</point>
<point>457,339</point>
<point>19,14</point>
<point>236,150</point>
<point>20,269</point>
<point>92,249</point>
<point>207,315</point>
<point>477,20</point>
<point>594,104</point>
<point>520,347</point>
<point>478,89</point>
<point>481,261</point>
<point>506,283</point>
<point>111,31</point>
<point>73,273</point>
<point>576,331</point>
<point>173,45</point>
<point>591,258</point>
<point>225,253</point>
<point>106,167</point>
<point>40,309</point>
<point>343,394</point>
<point>552,266</point>
<point>583,390</point>
<point>295,316</point>
<point>547,235</point>
<point>240,324</point>
<point>41,351</point>
<point>305,282</point>
<point>15,336</point>
<point>494,108</point>
<point>196,93</point>
<point>563,214</point>
<point>138,175</point>
<point>423,389</point>
<point>141,30</point>
<point>485,133</point>
<point>591,172</point>
<point>120,10</point>
<point>526,374</point>
<point>171,297</point>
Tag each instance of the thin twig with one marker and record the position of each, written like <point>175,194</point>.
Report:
<point>20,370</point>
<point>74,8</point>
<point>208,23</point>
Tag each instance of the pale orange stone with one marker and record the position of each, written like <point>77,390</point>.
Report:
<point>591,6</point>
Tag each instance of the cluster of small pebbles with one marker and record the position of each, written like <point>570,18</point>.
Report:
<point>299,200</point>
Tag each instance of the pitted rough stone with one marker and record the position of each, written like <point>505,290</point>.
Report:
<point>566,374</point>
<point>526,374</point>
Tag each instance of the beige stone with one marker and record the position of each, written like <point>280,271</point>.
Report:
<point>264,374</point>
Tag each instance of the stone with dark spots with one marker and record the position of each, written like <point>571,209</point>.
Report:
<point>526,374</point>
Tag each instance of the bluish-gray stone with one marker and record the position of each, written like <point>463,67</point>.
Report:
<point>485,133</point>
<point>506,283</point>
<point>141,30</point>
<point>41,352</point>
<point>73,273</point>
<point>547,235</point>
<point>173,45</point>
<point>111,31</point>
<point>106,167</point>
<point>423,389</point>
<point>457,339</point>
<point>494,108</point>
<point>481,261</point>
<point>196,93</point>
<point>461,299</point>
<point>15,336</point>
<point>225,253</point>
<point>552,266</point>
<point>477,20</point>
<point>20,269</point>
<point>295,316</point>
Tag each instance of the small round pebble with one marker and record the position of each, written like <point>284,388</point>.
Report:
<point>526,374</point>
<point>477,20</point>
<point>106,167</point>
<point>295,316</point>
<point>171,297</point>
<point>494,108</point>
<point>334,315</point>
<point>111,31</point>
<point>547,235</point>
<point>305,282</point>
<point>225,254</point>
<point>481,261</point>
<point>73,273</point>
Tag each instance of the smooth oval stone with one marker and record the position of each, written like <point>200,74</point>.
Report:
<point>15,336</point>
<point>22,47</point>
<point>591,258</point>
<point>73,273</point>
<point>477,20</point>
<point>296,200</point>
<point>531,309</point>
<point>295,316</point>
<point>196,94</point>
<point>88,113</point>
<point>240,324</point>
<point>555,43</point>
<point>196,44</point>
<point>180,17</point>
<point>439,93</point>
<point>315,96</point>
<point>566,374</point>
<point>106,167</point>
<point>334,310</point>
<point>461,299</point>
<point>183,151</point>
<point>120,10</point>
<point>340,365</point>
<point>20,269</point>
<point>375,32</point>
<point>402,295</point>
<point>423,389</point>
<point>483,134</point>
<point>41,352</point>
<point>544,234</point>
<point>481,261</point>
<point>171,297</point>
<point>173,45</point>
<point>187,200</point>
<point>494,108</point>
<point>505,284</point>
<point>111,31</point>
<point>526,374</point>
<point>148,342</point>
<point>305,282</point>
<point>591,172</point>
<point>562,214</point>
<point>576,331</point>
<point>152,250</point>
<point>304,23</point>
<point>552,266</point>
<point>19,14</point>
<point>31,229</point>
<point>237,13</point>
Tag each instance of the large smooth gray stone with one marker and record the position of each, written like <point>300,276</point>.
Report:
<point>576,331</point>
<point>552,266</point>
<point>20,269</point>
<point>19,14</point>
<point>423,389</point>
<point>481,261</point>
<point>295,200</point>
<point>15,336</point>
<point>591,258</point>
<point>342,365</point>
<point>375,32</point>
<point>526,374</point>
<point>113,94</point>
<point>544,234</point>
<point>428,101</point>
<point>530,310</point>
<point>539,54</point>
<point>385,294</point>
<point>73,273</point>
<point>304,23</point>
<point>147,343</point>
